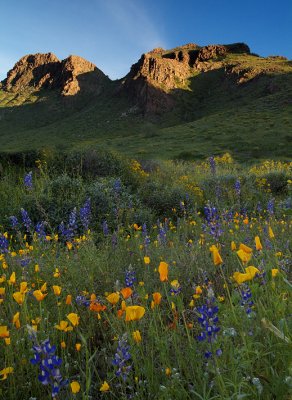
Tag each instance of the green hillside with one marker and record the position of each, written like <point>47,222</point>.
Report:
<point>243,106</point>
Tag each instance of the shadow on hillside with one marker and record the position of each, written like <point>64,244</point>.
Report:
<point>208,93</point>
<point>48,104</point>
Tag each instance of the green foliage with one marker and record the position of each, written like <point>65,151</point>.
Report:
<point>244,112</point>
<point>170,361</point>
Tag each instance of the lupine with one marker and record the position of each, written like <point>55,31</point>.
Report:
<point>208,320</point>
<point>117,186</point>
<point>68,232</point>
<point>25,219</point>
<point>73,220</point>
<point>270,206</point>
<point>84,213</point>
<point>27,181</point>
<point>237,187</point>
<point>3,244</point>
<point>40,229</point>
<point>213,225</point>
<point>49,364</point>
<point>162,235</point>
<point>130,278</point>
<point>14,222</point>
<point>122,358</point>
<point>246,302</point>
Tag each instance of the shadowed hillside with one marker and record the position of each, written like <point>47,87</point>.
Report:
<point>181,103</point>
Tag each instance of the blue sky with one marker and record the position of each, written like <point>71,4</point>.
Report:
<point>114,33</point>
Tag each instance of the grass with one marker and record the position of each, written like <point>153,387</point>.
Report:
<point>211,112</point>
<point>77,286</point>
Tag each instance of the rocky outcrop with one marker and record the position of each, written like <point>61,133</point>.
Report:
<point>38,71</point>
<point>34,70</point>
<point>153,78</point>
<point>77,72</point>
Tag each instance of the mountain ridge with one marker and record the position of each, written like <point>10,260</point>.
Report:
<point>71,102</point>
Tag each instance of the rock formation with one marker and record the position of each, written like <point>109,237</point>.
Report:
<point>158,72</point>
<point>39,71</point>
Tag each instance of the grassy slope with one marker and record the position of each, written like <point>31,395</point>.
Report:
<point>213,115</point>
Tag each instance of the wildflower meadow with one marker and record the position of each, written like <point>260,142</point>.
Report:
<point>127,279</point>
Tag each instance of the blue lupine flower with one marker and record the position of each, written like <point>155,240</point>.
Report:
<point>25,219</point>
<point>237,187</point>
<point>27,181</point>
<point>270,206</point>
<point>208,320</point>
<point>213,225</point>
<point>84,213</point>
<point>259,207</point>
<point>162,235</point>
<point>14,222</point>
<point>24,262</point>
<point>73,219</point>
<point>144,230</point>
<point>117,186</point>
<point>122,358</point>
<point>246,302</point>
<point>147,241</point>
<point>3,244</point>
<point>130,278</point>
<point>68,231</point>
<point>40,229</point>
<point>82,301</point>
<point>49,363</point>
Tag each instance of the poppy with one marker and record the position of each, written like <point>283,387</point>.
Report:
<point>134,313</point>
<point>163,271</point>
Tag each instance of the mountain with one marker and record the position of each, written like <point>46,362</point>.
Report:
<point>186,102</point>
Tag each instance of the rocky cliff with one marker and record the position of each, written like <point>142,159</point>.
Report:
<point>160,71</point>
<point>39,71</point>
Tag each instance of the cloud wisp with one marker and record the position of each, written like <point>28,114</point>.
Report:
<point>135,23</point>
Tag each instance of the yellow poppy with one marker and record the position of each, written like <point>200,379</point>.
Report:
<point>104,387</point>
<point>57,290</point>
<point>245,248</point>
<point>275,272</point>
<point>16,321</point>
<point>23,287</point>
<point>39,295</point>
<point>134,313</point>
<point>244,256</point>
<point>258,243</point>
<point>147,260</point>
<point>73,318</point>
<point>137,336</point>
<point>63,326</point>
<point>251,271</point>
<point>12,279</point>
<point>5,372</point>
<point>126,292</point>
<point>4,332</point>
<point>233,245</point>
<point>113,298</point>
<point>68,299</point>
<point>18,297</point>
<point>217,260</point>
<point>271,233</point>
<point>75,387</point>
<point>163,271</point>
<point>157,298</point>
